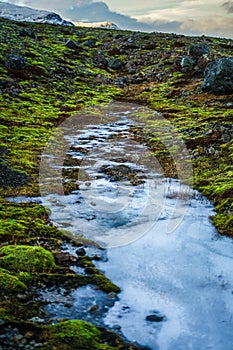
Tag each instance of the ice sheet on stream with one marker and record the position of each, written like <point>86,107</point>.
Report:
<point>186,275</point>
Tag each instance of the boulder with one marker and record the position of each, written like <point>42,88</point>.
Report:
<point>218,77</point>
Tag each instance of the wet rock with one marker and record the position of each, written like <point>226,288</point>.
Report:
<point>93,308</point>
<point>15,62</point>
<point>62,258</point>
<point>115,63</point>
<point>81,252</point>
<point>187,64</point>
<point>111,295</point>
<point>155,317</point>
<point>197,51</point>
<point>218,77</point>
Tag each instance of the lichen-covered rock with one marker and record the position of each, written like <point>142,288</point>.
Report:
<point>218,77</point>
<point>26,258</point>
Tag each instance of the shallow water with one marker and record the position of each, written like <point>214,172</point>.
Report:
<point>163,251</point>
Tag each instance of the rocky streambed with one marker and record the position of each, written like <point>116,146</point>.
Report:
<point>153,239</point>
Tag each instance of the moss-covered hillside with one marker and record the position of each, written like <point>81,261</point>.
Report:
<point>48,73</point>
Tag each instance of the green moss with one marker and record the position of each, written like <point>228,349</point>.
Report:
<point>27,259</point>
<point>105,284</point>
<point>10,284</point>
<point>80,334</point>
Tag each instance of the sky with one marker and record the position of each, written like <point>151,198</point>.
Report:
<point>197,17</point>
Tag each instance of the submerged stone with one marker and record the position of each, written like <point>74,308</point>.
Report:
<point>155,317</point>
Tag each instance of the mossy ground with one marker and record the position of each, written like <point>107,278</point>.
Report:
<point>56,83</point>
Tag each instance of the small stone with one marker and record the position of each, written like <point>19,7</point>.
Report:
<point>37,319</point>
<point>27,347</point>
<point>69,305</point>
<point>155,317</point>
<point>111,295</point>
<point>19,337</point>
<point>21,296</point>
<point>93,308</point>
<point>81,252</point>
<point>116,327</point>
<point>39,345</point>
<point>23,341</point>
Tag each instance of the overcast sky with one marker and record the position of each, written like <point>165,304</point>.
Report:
<point>209,17</point>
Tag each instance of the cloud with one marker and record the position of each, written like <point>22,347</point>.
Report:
<point>195,17</point>
<point>213,26</point>
<point>228,5</point>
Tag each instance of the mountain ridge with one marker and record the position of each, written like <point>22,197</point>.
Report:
<point>27,14</point>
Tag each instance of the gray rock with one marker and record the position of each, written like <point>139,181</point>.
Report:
<point>187,64</point>
<point>197,51</point>
<point>218,77</point>
<point>71,44</point>
<point>15,62</point>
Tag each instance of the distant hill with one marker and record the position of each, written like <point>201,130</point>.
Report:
<point>27,14</point>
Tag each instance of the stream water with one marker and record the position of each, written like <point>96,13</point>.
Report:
<point>181,278</point>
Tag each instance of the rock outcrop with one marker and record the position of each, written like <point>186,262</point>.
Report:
<point>218,77</point>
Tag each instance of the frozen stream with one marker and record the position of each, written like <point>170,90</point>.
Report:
<point>183,274</point>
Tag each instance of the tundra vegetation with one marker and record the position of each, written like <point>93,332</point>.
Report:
<point>48,73</point>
